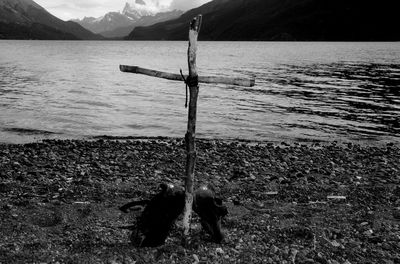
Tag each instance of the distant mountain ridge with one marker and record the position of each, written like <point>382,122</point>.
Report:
<point>123,31</point>
<point>303,20</point>
<point>116,24</point>
<point>108,22</point>
<point>25,19</point>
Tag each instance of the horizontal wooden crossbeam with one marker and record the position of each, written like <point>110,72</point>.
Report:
<point>178,77</point>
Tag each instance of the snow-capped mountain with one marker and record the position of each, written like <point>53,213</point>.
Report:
<point>109,21</point>
<point>143,21</point>
<point>119,24</point>
<point>138,9</point>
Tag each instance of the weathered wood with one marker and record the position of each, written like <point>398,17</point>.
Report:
<point>177,77</point>
<point>191,127</point>
<point>192,80</point>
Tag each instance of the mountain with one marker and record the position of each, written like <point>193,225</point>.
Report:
<point>25,19</point>
<point>115,24</point>
<point>138,9</point>
<point>303,20</point>
<point>33,31</point>
<point>123,31</point>
<point>108,22</point>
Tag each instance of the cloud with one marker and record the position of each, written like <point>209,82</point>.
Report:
<point>175,4</point>
<point>70,9</point>
<point>187,4</point>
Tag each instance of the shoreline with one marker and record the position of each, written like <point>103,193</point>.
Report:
<point>307,203</point>
<point>279,141</point>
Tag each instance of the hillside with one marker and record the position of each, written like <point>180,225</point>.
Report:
<point>25,19</point>
<point>33,31</point>
<point>302,20</point>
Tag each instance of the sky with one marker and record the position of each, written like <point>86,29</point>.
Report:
<point>71,9</point>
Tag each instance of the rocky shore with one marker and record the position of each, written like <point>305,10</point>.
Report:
<point>287,203</point>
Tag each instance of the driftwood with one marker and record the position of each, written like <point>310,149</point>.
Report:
<point>191,127</point>
<point>192,80</point>
<point>177,77</point>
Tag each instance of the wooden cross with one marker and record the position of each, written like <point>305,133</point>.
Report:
<point>192,81</point>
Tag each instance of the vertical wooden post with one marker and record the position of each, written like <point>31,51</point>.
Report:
<point>192,82</point>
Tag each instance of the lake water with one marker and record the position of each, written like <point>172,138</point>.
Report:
<point>306,91</point>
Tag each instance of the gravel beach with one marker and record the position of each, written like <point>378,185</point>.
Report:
<point>288,203</point>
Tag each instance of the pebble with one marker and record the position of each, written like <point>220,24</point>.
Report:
<point>273,249</point>
<point>293,254</point>
<point>335,243</point>
<point>196,259</point>
<point>396,213</point>
<point>7,207</point>
<point>235,251</point>
<point>143,161</point>
<point>219,251</point>
<point>369,232</point>
<point>332,261</point>
<point>336,197</point>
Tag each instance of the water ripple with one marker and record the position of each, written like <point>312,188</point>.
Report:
<point>304,91</point>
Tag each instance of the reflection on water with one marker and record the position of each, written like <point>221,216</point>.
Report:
<point>366,95</point>
<point>304,91</point>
